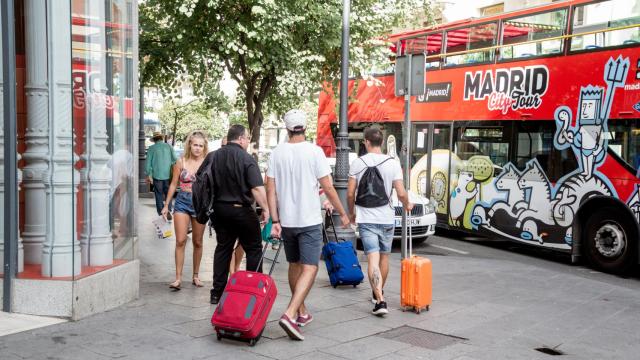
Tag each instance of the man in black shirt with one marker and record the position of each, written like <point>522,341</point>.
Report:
<point>238,183</point>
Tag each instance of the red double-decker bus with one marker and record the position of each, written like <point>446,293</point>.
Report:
<point>529,128</point>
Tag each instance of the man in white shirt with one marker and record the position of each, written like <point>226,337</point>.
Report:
<point>295,170</point>
<point>374,211</point>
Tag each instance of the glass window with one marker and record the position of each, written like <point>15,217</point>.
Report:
<point>484,141</point>
<point>533,28</point>
<point>104,120</point>
<point>624,140</point>
<point>535,141</point>
<point>429,45</point>
<point>606,16</point>
<point>468,39</point>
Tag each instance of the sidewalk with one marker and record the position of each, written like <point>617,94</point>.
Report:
<point>491,308</point>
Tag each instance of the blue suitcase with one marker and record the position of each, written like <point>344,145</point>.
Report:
<point>341,260</point>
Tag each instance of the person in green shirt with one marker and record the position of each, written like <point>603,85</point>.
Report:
<point>160,159</point>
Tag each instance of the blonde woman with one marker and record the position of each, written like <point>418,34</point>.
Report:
<point>184,174</point>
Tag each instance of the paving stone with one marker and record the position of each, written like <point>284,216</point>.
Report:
<point>349,330</point>
<point>285,348</point>
<point>336,316</point>
<point>366,348</point>
<point>195,328</point>
<point>318,355</point>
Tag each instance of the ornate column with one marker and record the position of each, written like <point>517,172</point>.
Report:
<point>37,131</point>
<point>20,246</point>
<point>96,241</point>
<point>61,251</point>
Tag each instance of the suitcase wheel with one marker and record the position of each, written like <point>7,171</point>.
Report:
<point>427,308</point>
<point>354,285</point>
<point>253,342</point>
<point>335,286</point>
<point>418,310</point>
<point>219,336</point>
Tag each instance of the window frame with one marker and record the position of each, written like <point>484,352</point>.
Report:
<point>572,35</point>
<point>565,31</point>
<point>444,57</point>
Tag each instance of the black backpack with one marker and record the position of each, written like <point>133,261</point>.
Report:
<point>371,191</point>
<point>202,191</point>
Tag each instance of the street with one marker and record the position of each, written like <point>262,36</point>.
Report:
<point>492,300</point>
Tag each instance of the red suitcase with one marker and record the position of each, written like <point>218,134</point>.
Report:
<point>245,304</point>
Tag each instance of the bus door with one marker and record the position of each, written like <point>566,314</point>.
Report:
<point>431,157</point>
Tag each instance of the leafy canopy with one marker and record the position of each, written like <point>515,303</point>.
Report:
<point>279,51</point>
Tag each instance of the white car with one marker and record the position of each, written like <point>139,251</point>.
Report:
<point>422,220</point>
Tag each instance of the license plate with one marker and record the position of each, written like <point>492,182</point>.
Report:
<point>410,222</point>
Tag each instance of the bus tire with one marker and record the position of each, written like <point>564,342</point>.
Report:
<point>611,241</point>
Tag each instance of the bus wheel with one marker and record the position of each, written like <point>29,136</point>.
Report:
<point>610,241</point>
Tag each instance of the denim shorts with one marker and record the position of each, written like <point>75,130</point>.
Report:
<point>184,204</point>
<point>376,237</point>
<point>303,244</point>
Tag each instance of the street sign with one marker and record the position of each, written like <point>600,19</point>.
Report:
<point>410,74</point>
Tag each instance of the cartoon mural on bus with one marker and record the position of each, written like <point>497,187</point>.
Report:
<point>529,207</point>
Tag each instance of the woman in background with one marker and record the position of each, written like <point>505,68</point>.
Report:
<point>184,174</point>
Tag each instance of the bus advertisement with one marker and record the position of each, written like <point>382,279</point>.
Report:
<point>529,128</point>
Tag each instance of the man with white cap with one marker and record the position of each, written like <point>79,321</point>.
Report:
<point>296,168</point>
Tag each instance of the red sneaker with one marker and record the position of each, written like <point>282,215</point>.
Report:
<point>304,320</point>
<point>290,328</point>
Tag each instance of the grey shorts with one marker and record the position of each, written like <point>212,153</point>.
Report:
<point>303,244</point>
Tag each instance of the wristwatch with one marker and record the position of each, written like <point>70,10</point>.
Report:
<point>275,221</point>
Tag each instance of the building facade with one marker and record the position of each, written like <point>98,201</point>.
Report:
<point>70,251</point>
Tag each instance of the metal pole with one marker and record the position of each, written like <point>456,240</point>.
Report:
<point>342,139</point>
<point>10,161</point>
<point>406,147</point>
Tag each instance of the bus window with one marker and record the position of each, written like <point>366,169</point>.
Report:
<point>484,141</point>
<point>434,47</point>
<point>533,28</point>
<point>603,16</point>
<point>468,39</point>
<point>623,139</point>
<point>429,45</point>
<point>535,141</point>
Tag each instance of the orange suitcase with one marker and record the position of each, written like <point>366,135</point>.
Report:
<point>415,284</point>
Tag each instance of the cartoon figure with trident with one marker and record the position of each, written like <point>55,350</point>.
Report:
<point>587,137</point>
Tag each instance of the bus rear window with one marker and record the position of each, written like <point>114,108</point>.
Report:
<point>534,28</point>
<point>467,40</point>
<point>605,24</point>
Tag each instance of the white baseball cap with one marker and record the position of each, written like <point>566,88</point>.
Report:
<point>295,120</point>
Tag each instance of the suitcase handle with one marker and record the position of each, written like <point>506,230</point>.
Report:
<point>264,252</point>
<point>409,235</point>
<point>333,226</point>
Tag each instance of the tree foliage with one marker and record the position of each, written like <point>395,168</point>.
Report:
<point>179,120</point>
<point>279,51</point>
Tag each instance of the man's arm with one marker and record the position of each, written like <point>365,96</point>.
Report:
<point>403,195</point>
<point>327,185</point>
<point>351,198</point>
<point>272,199</point>
<point>148,168</point>
<point>261,198</point>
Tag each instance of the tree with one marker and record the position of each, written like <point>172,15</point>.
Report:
<point>279,51</point>
<point>180,120</point>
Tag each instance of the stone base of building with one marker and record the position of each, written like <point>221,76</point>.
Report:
<point>76,299</point>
